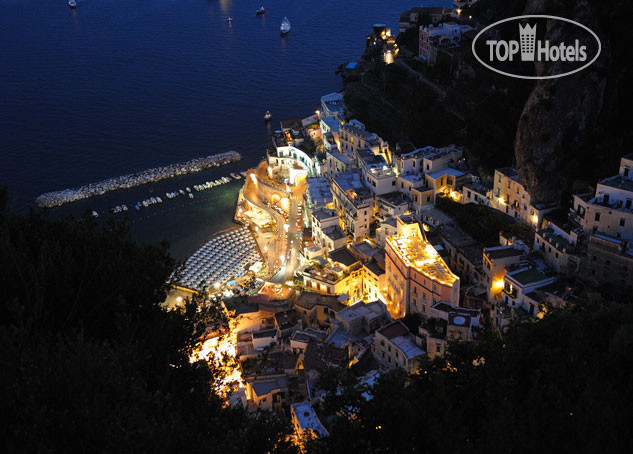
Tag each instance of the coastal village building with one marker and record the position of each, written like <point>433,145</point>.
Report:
<point>326,232</point>
<point>386,227</point>
<point>443,34</point>
<point>354,326</point>
<point>306,423</point>
<point>341,274</point>
<point>332,105</point>
<point>330,127</point>
<point>318,193</point>
<point>558,248</point>
<point>610,210</point>
<point>495,262</point>
<point>415,188</point>
<point>606,217</point>
<point>411,18</point>
<point>447,182</point>
<point>510,196</point>
<point>475,192</point>
<point>515,299</point>
<point>337,163</point>
<point>354,204</point>
<point>267,393</point>
<point>333,238</point>
<point>417,277</point>
<point>432,217</point>
<point>318,310</point>
<point>381,40</point>
<point>300,339</point>
<point>354,136</point>
<point>428,159</point>
<point>395,347</point>
<point>377,175</point>
<point>609,260</point>
<point>390,205</point>
<point>453,324</point>
<point>425,172</point>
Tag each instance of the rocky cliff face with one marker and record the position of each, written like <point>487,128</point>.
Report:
<point>574,128</point>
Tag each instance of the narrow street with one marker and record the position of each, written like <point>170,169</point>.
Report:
<point>283,250</point>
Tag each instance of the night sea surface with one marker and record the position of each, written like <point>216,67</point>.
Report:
<point>118,86</point>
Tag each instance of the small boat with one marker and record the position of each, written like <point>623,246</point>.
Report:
<point>95,214</point>
<point>72,4</point>
<point>285,26</point>
<point>267,115</point>
<point>236,176</point>
<point>260,11</point>
<point>190,195</point>
<point>229,20</point>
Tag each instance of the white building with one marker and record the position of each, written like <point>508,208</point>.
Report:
<point>354,204</point>
<point>437,35</point>
<point>332,105</point>
<point>289,157</point>
<point>610,209</point>
<point>305,421</point>
<point>510,195</point>
<point>395,347</point>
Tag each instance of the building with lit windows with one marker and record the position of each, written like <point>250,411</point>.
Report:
<point>332,105</point>
<point>341,274</point>
<point>354,136</point>
<point>510,196</point>
<point>495,262</point>
<point>354,204</point>
<point>417,277</point>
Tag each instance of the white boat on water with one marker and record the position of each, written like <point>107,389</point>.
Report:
<point>72,4</point>
<point>95,214</point>
<point>285,26</point>
<point>236,176</point>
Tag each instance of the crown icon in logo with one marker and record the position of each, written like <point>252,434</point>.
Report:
<point>527,35</point>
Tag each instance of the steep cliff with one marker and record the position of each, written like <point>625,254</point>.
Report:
<point>575,128</point>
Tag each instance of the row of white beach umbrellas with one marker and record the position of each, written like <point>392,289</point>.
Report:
<point>227,255</point>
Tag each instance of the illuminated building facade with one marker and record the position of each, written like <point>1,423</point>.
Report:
<point>417,277</point>
<point>510,195</point>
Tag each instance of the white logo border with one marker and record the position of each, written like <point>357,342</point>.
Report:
<point>539,16</point>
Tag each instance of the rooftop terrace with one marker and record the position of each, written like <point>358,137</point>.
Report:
<point>418,253</point>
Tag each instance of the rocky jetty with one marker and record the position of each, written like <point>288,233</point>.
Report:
<point>57,198</point>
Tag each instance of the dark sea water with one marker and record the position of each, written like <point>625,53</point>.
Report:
<point>118,86</point>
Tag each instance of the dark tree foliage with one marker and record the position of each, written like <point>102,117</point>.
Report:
<point>484,223</point>
<point>91,362</point>
<point>563,384</point>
